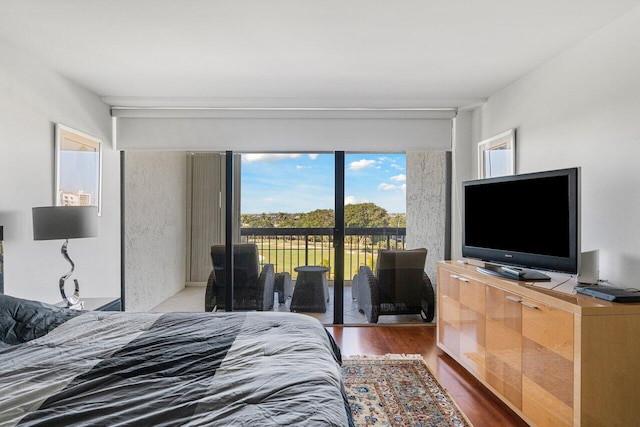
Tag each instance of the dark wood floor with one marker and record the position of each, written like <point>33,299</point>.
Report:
<point>473,398</point>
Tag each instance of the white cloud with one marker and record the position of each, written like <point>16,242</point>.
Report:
<point>387,187</point>
<point>361,164</point>
<point>302,167</point>
<point>268,157</point>
<point>313,156</point>
<point>404,188</point>
<point>395,166</point>
<point>352,200</point>
<point>399,178</point>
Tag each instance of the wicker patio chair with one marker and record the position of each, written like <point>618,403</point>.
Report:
<point>400,286</point>
<point>253,287</point>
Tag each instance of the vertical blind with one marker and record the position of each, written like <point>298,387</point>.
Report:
<point>206,210</point>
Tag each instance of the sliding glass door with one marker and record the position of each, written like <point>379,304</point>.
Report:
<point>316,218</point>
<point>307,220</point>
<point>287,212</point>
<point>375,218</point>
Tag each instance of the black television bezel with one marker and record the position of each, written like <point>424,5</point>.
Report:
<point>568,264</point>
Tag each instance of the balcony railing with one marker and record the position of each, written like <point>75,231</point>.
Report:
<point>287,248</point>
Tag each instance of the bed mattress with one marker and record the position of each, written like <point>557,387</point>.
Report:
<point>61,367</point>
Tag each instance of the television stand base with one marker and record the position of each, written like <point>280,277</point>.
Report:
<point>513,273</point>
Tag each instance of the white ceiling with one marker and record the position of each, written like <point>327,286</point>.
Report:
<point>447,53</point>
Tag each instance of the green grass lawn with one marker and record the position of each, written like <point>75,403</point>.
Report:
<point>286,259</point>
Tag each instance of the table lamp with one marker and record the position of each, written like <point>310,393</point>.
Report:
<point>65,222</point>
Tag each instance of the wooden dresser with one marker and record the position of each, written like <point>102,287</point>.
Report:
<point>555,357</point>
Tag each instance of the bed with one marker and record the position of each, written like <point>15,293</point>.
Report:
<point>61,367</point>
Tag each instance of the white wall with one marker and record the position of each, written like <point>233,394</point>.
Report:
<point>426,205</point>
<point>155,227</point>
<point>583,109</point>
<point>32,99</point>
<point>462,170</point>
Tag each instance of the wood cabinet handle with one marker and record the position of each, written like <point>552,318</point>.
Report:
<point>519,301</point>
<point>527,304</point>
<point>462,279</point>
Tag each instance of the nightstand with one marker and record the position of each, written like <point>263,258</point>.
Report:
<point>97,304</point>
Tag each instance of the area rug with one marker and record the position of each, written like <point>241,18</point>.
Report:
<point>397,390</point>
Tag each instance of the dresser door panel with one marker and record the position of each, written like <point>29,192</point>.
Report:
<point>547,364</point>
<point>504,344</point>
<point>472,325</point>
<point>449,311</point>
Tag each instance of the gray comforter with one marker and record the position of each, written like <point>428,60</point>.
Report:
<point>63,368</point>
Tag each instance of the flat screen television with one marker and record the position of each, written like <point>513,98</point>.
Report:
<point>521,223</point>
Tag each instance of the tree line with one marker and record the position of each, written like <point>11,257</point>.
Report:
<point>355,215</point>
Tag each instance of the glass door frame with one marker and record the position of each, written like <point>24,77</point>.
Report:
<point>338,239</point>
<point>338,234</point>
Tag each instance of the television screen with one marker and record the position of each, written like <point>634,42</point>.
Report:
<point>528,220</point>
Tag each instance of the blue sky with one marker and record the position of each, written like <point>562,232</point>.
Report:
<point>304,182</point>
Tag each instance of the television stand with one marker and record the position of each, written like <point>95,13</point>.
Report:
<point>513,273</point>
<point>556,359</point>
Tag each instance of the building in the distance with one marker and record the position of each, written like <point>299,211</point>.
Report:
<point>78,198</point>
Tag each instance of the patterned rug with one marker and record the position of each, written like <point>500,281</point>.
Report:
<point>397,390</point>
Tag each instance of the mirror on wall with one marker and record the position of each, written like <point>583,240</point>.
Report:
<point>497,155</point>
<point>78,168</point>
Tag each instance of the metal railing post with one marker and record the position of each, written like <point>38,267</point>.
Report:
<point>306,249</point>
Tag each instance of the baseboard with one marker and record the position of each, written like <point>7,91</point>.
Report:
<point>195,284</point>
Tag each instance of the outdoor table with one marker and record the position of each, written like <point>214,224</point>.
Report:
<point>311,292</point>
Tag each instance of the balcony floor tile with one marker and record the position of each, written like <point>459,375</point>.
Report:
<point>191,299</point>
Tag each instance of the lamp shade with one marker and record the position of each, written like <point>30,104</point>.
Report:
<point>65,222</point>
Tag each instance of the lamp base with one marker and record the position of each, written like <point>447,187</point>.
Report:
<point>78,306</point>
<point>75,298</point>
<point>65,304</point>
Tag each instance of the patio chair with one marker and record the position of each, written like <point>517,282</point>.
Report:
<point>253,287</point>
<point>400,286</point>
<point>283,287</point>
